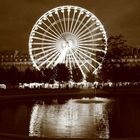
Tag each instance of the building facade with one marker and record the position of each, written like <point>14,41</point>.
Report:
<point>22,60</point>
<point>15,58</point>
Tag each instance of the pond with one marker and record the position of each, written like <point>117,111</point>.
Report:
<point>72,118</point>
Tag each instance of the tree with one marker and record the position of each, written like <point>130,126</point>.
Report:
<point>77,75</point>
<point>48,75</point>
<point>117,50</point>
<point>13,75</point>
<point>90,77</point>
<point>3,75</point>
<point>62,73</point>
<point>29,76</point>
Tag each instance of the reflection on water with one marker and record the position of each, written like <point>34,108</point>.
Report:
<point>72,119</point>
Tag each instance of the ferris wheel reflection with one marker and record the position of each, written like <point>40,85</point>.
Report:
<point>70,120</point>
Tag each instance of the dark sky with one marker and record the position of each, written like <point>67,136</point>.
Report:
<point>17,18</point>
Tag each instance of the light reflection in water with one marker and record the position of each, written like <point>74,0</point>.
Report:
<point>71,120</point>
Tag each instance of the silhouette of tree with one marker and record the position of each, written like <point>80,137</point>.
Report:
<point>90,77</point>
<point>3,75</point>
<point>62,73</point>
<point>13,75</point>
<point>36,76</point>
<point>48,75</point>
<point>29,76</point>
<point>135,73</point>
<point>77,75</point>
<point>112,64</point>
<point>21,77</point>
<point>117,48</point>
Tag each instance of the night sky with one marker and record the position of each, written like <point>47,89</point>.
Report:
<point>17,18</point>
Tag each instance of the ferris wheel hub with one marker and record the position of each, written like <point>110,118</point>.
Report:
<point>69,41</point>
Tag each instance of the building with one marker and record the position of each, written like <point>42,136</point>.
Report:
<point>22,60</point>
<point>15,58</point>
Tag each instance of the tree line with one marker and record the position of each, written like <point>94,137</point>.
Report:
<point>115,66</point>
<point>113,69</point>
<point>59,73</point>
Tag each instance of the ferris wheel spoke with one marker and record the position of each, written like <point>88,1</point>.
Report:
<point>64,21</point>
<point>92,40</point>
<point>79,25</point>
<point>76,22</point>
<point>52,25</point>
<point>82,36</point>
<point>73,61</point>
<point>43,52</point>
<point>42,43</point>
<point>66,61</point>
<point>72,20</point>
<point>86,44</point>
<point>92,31</point>
<point>50,38</point>
<point>87,61</point>
<point>41,48</point>
<point>84,26</point>
<point>81,60</point>
<point>87,41</point>
<point>89,57</point>
<point>93,49</point>
<point>45,56</point>
<point>44,62</point>
<point>42,39</point>
<point>60,21</point>
<point>83,50</point>
<point>55,21</point>
<point>53,59</point>
<point>69,59</point>
<point>77,63</point>
<point>62,56</point>
<point>68,10</point>
<point>89,37</point>
<point>86,29</point>
<point>48,32</point>
<point>58,35</point>
<point>39,60</point>
<point>98,34</point>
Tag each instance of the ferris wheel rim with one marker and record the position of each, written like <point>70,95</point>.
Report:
<point>68,7</point>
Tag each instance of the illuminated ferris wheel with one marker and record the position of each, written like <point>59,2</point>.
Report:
<point>70,35</point>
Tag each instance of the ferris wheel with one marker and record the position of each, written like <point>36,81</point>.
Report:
<point>70,35</point>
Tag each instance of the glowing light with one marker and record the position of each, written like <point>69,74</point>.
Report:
<point>72,34</point>
<point>71,120</point>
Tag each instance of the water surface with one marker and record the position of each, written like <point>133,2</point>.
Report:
<point>72,118</point>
